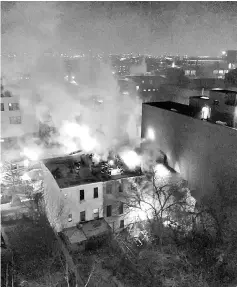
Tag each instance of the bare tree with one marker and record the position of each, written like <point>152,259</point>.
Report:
<point>158,199</point>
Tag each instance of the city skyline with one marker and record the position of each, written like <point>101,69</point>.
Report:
<point>156,28</point>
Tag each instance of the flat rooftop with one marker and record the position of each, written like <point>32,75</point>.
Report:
<point>172,106</point>
<point>76,170</point>
<point>225,90</point>
<point>182,109</point>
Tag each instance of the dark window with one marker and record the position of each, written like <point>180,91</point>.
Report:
<point>82,194</point>
<point>96,213</point>
<point>69,217</point>
<point>230,100</point>
<point>109,189</point>
<point>15,120</point>
<point>121,208</point>
<point>13,106</point>
<point>96,192</point>
<point>82,216</point>
<point>122,223</point>
<point>120,188</point>
<point>2,107</point>
<point>109,210</point>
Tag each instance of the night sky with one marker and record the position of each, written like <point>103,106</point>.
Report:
<point>192,28</point>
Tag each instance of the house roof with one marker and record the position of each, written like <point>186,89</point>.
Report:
<point>67,172</point>
<point>86,230</point>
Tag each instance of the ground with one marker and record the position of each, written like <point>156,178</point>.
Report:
<point>34,262</point>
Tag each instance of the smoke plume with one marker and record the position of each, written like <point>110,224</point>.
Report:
<point>89,114</point>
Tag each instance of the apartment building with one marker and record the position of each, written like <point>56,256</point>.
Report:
<point>220,106</point>
<point>17,120</point>
<point>203,152</point>
<point>87,193</point>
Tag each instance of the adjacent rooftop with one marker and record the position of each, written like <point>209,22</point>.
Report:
<point>173,106</point>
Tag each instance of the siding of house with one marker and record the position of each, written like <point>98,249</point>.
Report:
<point>75,206</point>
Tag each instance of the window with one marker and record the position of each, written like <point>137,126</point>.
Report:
<point>15,120</point>
<point>193,72</point>
<point>221,71</point>
<point>109,210</point>
<point>96,192</point>
<point>69,217</point>
<point>150,82</point>
<point>187,72</point>
<point>13,106</point>
<point>82,194</point>
<point>121,208</point>
<point>121,223</point>
<point>120,188</point>
<point>109,189</point>
<point>137,88</point>
<point>143,82</point>
<point>2,107</point>
<point>230,99</point>
<point>215,72</point>
<point>82,216</point>
<point>96,213</point>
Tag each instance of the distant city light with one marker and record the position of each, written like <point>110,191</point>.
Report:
<point>150,134</point>
<point>223,53</point>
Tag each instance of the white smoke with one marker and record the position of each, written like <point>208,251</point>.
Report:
<point>91,116</point>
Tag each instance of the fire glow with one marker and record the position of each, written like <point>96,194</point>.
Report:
<point>30,154</point>
<point>77,136</point>
<point>131,159</point>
